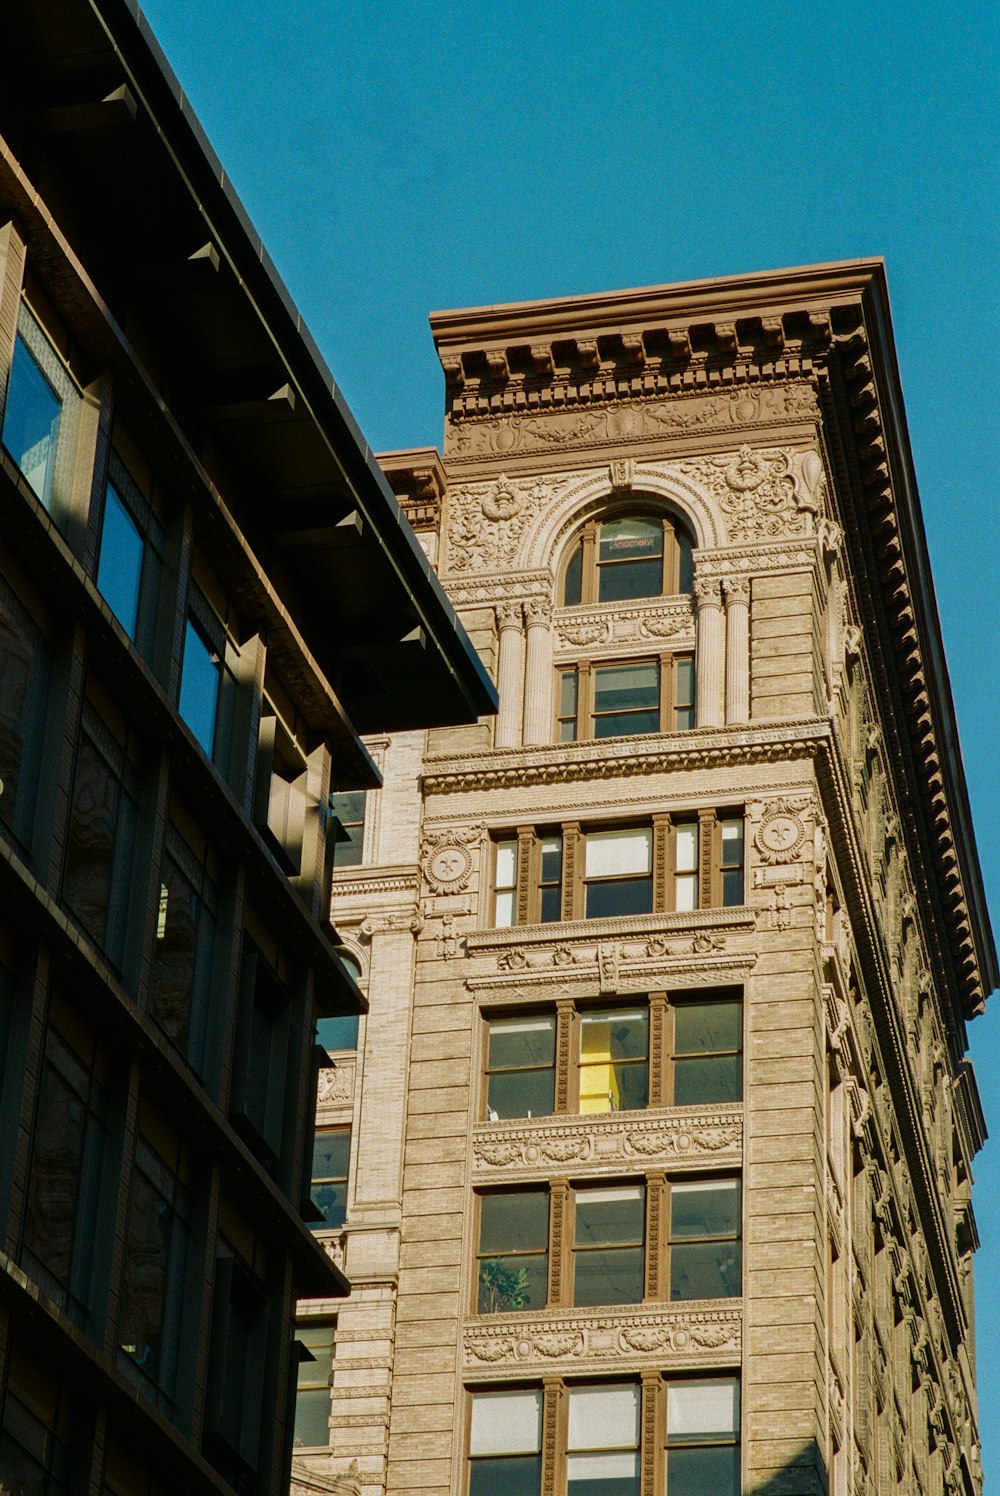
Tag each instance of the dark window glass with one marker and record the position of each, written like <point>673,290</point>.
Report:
<point>119,573</point>
<point>731,861</point>
<point>23,679</point>
<point>513,1252</point>
<point>569,695</point>
<point>684,698</point>
<point>66,1168</point>
<point>41,1448</point>
<point>349,808</point>
<point>708,1061</point>
<point>331,1158</point>
<point>704,1239</point>
<point>629,559</point>
<point>608,1255</point>
<point>521,1066</point>
<point>550,879</point>
<point>150,1322</point>
<point>504,1444</point>
<point>31,420</point>
<point>703,1425</point>
<point>260,1055</point>
<point>200,680</point>
<point>618,873</point>
<point>312,1398</point>
<point>182,953</point>
<point>614,1070</point>
<point>338,1033</point>
<point>626,699</point>
<point>574,578</point>
<point>99,846</point>
<point>685,561</point>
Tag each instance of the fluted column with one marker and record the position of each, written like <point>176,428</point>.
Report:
<point>737,594</point>
<point>510,675</point>
<point>537,672</point>
<point>710,663</point>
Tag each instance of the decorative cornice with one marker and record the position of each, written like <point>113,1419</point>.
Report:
<point>701,1333</point>
<point>498,587</point>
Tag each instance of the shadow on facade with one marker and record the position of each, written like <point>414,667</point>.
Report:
<point>804,1473</point>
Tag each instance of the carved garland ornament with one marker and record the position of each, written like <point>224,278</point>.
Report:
<point>683,1334</point>
<point>490,519</point>
<point>764,493</point>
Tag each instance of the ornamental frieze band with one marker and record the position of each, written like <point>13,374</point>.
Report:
<point>667,1338</point>
<point>676,1138</point>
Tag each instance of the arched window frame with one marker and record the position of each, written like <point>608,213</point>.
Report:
<point>677,555</point>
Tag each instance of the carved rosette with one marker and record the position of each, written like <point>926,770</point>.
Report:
<point>680,1139</point>
<point>513,1345</point>
<point>781,834</point>
<point>446,860</point>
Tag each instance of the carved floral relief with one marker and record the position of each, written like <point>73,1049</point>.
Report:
<point>684,1336</point>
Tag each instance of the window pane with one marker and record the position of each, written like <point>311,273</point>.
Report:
<point>506,1423</point>
<point>515,1222</point>
<point>625,583</point>
<point>551,905</point>
<point>686,847</point>
<point>604,1417</point>
<point>338,1033</point>
<point>331,1154</point>
<point>685,562</point>
<point>610,1215</point>
<point>31,421</point>
<point>512,1283</point>
<point>703,1407</point>
<point>504,916</point>
<point>349,808</point>
<point>568,690</point>
<point>22,700</point>
<point>179,931</point>
<point>312,1418</point>
<point>520,1475</point>
<point>708,1079</point>
<point>684,681</point>
<point>608,1275</point>
<point>708,1026</point>
<point>613,1074</point>
<point>93,831</point>
<point>614,1035</point>
<point>705,1208</point>
<point>686,892</point>
<point>318,1341</point>
<point>199,688</point>
<point>612,854</point>
<point>522,1041</point>
<point>574,577</point>
<point>705,1270</point>
<point>522,1093</point>
<point>704,1472</point>
<point>119,573</point>
<point>619,688</point>
<point>621,896</point>
<point>506,864</point>
<point>551,859</point>
<point>627,539</point>
<point>602,1475</point>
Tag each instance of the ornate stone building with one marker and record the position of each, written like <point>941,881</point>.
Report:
<point>657,1141</point>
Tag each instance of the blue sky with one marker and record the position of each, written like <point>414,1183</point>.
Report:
<point>403,157</point>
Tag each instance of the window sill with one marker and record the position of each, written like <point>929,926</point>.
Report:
<point>699,1332</point>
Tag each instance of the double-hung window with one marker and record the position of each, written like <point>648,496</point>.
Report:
<point>614,1059</point>
<point>513,1257</point>
<point>597,700</point>
<point>40,414</point>
<point>349,809</point>
<point>602,1444</point>
<point>703,1432</point>
<point>315,1340</point>
<point>705,1239</point>
<point>707,1052</point>
<point>608,1245</point>
<point>331,1161</point>
<point>520,1066</point>
<point>626,557</point>
<point>618,872</point>
<point>505,1443</point>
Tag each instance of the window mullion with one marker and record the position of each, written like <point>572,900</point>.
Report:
<point>707,860</point>
<point>651,1434</point>
<point>585,700</point>
<point>559,1242</point>
<point>567,1084</point>
<point>526,875</point>
<point>553,1436</point>
<point>657,1054</point>
<point>572,891</point>
<point>662,860</point>
<point>588,570</point>
<point>656,1224</point>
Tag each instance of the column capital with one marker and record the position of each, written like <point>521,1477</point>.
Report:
<point>509,615</point>
<point>708,592</point>
<point>537,610</point>
<point>736,590</point>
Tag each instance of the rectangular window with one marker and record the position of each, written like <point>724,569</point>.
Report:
<point>331,1161</point>
<point>505,1443</point>
<point>157,1234</point>
<point>569,702</point>
<point>602,1446</point>
<point>349,808</point>
<point>608,1252</point>
<point>505,884</point>
<point>236,1367</point>
<point>731,861</point>
<point>704,1239</point>
<point>686,865</point>
<point>40,414</point>
<point>101,831</point>
<point>614,1059</point>
<point>131,553</point>
<point>260,1055</point>
<point>338,1034</point>
<point>708,1052</point>
<point>550,879</point>
<point>513,1251</point>
<point>312,1397</point>
<point>180,982</point>
<point>23,687</point>
<point>618,872</point>
<point>42,1443</point>
<point>67,1166</point>
<point>201,679</point>
<point>624,698</point>
<point>520,1067</point>
<point>703,1430</point>
<point>684,698</point>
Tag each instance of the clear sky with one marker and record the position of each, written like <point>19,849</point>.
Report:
<point>403,157</point>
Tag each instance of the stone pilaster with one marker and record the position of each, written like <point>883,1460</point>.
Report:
<point>737,594</point>
<point>711,654</point>
<point>538,672</point>
<point>510,674</point>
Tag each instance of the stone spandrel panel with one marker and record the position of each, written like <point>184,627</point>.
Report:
<point>674,1138</point>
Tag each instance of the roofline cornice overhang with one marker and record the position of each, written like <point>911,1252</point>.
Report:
<point>158,92</point>
<point>830,324</point>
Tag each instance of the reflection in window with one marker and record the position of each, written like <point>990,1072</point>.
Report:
<point>182,953</point>
<point>602,1455</point>
<point>119,572</point>
<point>520,1067</point>
<point>65,1178</point>
<point>23,677</point>
<point>513,1251</point>
<point>618,872</point>
<point>40,409</point>
<point>331,1159</point>
<point>608,1246</point>
<point>626,558</point>
<point>349,809</point>
<point>505,1444</point>
<point>708,1058</point>
<point>152,1290</point>
<point>102,820</point>
<point>312,1398</point>
<point>614,1069</point>
<point>703,1426</point>
<point>200,681</point>
<point>339,1033</point>
<point>704,1239</point>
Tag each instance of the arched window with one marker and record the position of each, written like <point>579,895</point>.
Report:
<point>620,558</point>
<point>626,557</point>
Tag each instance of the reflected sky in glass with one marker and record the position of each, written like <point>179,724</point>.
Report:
<point>31,421</point>
<point>119,573</point>
<point>199,688</point>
